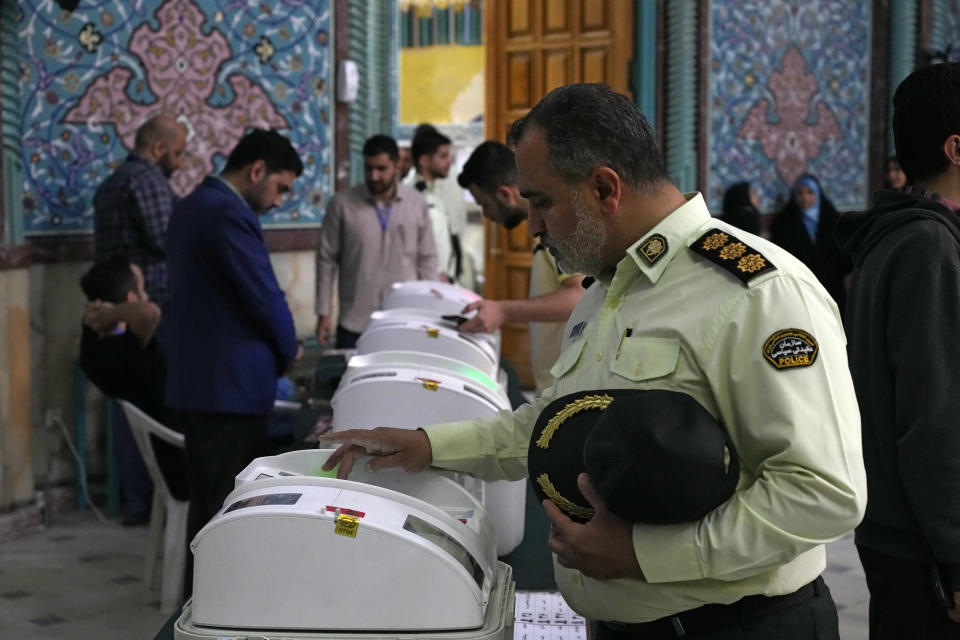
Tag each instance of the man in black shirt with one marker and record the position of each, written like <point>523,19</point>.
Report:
<point>120,354</point>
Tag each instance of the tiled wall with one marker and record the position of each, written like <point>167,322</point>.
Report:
<point>949,19</point>
<point>789,93</point>
<point>90,77</point>
<point>16,478</point>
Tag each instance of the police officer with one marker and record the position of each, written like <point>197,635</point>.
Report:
<point>681,302</point>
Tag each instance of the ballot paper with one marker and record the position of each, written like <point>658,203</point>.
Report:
<point>544,615</point>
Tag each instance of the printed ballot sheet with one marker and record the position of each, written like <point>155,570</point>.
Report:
<point>543,615</point>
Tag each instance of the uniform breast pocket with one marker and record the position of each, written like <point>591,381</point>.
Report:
<point>568,359</point>
<point>643,358</point>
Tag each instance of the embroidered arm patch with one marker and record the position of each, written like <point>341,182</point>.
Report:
<point>733,255</point>
<point>789,348</point>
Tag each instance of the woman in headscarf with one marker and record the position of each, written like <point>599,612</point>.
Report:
<point>740,208</point>
<point>805,228</point>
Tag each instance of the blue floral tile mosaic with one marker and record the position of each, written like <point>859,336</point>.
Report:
<point>789,90</point>
<point>90,77</point>
<point>950,16</point>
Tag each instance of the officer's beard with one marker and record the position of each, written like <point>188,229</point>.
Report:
<point>581,252</point>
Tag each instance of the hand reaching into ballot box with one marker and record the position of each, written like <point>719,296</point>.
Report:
<point>408,449</point>
<point>490,316</point>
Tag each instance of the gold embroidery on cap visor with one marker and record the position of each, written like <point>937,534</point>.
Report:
<point>571,508</point>
<point>585,403</point>
<point>575,407</point>
<point>789,348</point>
<point>653,248</point>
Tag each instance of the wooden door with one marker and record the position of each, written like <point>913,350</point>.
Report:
<point>534,46</point>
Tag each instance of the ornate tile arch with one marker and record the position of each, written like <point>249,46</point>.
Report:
<point>789,89</point>
<point>89,78</point>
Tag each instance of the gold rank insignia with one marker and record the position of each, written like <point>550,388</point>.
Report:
<point>731,253</point>
<point>653,248</point>
<point>789,348</point>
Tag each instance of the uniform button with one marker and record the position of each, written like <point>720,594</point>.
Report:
<point>599,356</point>
<point>575,578</point>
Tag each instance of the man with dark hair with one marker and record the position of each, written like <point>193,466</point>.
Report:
<point>121,356</point>
<point>490,174</point>
<point>432,159</point>
<point>231,334</point>
<point>903,308</point>
<point>681,302</point>
<point>132,206</point>
<point>373,235</point>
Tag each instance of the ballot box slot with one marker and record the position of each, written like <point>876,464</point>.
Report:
<point>267,499</point>
<point>484,348</point>
<point>378,374</point>
<point>481,394</point>
<point>443,540</point>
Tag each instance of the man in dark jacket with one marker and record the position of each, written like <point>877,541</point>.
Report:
<point>231,334</point>
<point>902,315</point>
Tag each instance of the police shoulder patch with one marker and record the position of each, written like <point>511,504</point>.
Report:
<point>732,254</point>
<point>789,348</point>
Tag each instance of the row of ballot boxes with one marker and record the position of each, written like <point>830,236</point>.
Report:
<point>413,368</point>
<point>296,551</point>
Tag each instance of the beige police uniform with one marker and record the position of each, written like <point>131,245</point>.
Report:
<point>545,337</point>
<point>700,307</point>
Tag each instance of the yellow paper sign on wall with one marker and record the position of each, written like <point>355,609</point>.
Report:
<point>441,84</point>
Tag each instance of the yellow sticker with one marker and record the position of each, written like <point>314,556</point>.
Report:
<point>433,333</point>
<point>789,348</point>
<point>346,525</point>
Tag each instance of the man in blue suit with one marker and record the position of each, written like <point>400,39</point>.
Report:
<point>231,334</point>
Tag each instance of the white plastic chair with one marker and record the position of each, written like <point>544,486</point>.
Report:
<point>166,509</point>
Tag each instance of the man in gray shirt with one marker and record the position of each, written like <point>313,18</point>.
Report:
<point>374,234</point>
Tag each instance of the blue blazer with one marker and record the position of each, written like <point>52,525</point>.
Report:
<point>229,331</point>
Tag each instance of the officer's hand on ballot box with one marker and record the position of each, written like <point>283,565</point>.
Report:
<point>408,449</point>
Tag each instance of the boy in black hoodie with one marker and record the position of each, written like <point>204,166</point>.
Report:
<point>902,315</point>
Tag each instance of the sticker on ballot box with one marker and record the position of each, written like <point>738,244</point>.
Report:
<point>345,525</point>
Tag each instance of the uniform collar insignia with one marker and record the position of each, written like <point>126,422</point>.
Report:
<point>653,248</point>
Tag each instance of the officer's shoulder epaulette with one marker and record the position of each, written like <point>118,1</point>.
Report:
<point>732,254</point>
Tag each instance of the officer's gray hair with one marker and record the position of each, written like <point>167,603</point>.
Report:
<point>590,125</point>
